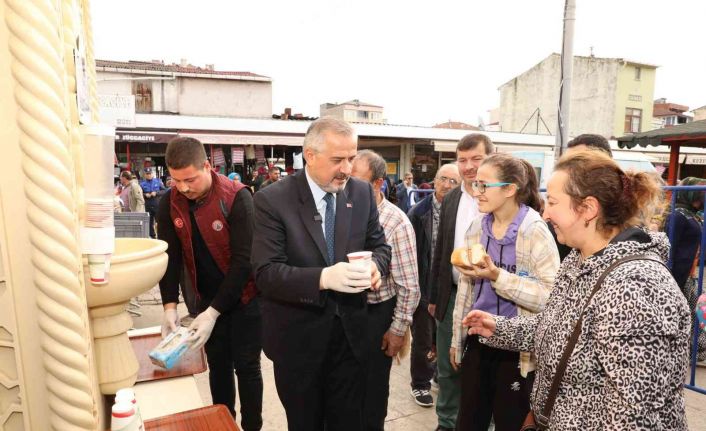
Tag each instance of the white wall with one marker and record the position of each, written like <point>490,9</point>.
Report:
<point>114,83</point>
<point>592,97</point>
<point>225,98</point>
<point>197,96</point>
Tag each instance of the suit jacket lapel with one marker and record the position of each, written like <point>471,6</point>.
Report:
<point>428,223</point>
<point>344,215</point>
<point>308,213</point>
<point>453,209</point>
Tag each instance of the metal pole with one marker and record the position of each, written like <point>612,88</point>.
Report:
<point>567,68</point>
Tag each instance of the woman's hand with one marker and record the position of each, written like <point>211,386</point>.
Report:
<point>480,323</point>
<point>485,269</point>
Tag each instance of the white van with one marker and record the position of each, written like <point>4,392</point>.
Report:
<point>543,162</point>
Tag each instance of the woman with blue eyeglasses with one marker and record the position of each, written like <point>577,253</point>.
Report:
<point>515,278</point>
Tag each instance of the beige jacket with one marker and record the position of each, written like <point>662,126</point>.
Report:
<point>537,264</point>
<point>136,201</point>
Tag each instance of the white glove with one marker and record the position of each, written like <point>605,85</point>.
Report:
<point>202,327</point>
<point>345,277</point>
<point>170,321</point>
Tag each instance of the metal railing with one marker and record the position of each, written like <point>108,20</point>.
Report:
<point>673,190</point>
<point>670,230</point>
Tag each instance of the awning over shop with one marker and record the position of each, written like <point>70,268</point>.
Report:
<point>664,158</point>
<point>445,146</point>
<point>506,142</point>
<point>693,133</point>
<point>684,135</point>
<point>240,139</point>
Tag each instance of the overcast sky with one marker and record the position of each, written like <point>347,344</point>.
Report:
<point>425,61</point>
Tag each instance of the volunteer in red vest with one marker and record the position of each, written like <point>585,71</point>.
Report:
<point>207,221</point>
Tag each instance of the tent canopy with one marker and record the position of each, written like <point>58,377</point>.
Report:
<point>688,135</point>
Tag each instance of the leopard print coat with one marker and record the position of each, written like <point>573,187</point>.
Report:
<point>628,367</point>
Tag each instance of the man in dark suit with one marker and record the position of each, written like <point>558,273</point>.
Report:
<point>424,217</point>
<point>405,198</point>
<point>457,211</point>
<point>314,302</point>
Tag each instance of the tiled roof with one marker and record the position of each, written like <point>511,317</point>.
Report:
<point>359,103</point>
<point>667,109</point>
<point>456,125</point>
<point>147,66</point>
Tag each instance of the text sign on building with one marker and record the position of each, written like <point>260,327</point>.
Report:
<point>695,160</point>
<point>117,110</point>
<point>149,137</point>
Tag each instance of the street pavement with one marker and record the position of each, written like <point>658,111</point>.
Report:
<point>402,412</point>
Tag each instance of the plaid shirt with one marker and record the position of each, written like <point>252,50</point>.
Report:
<point>403,279</point>
<point>537,265</point>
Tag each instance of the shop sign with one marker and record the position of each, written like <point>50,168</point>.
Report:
<point>117,110</point>
<point>157,138</point>
<point>695,160</point>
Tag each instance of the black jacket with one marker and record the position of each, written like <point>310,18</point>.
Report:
<point>288,255</point>
<point>422,217</point>
<point>403,196</point>
<point>441,275</point>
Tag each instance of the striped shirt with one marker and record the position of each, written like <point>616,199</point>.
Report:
<point>403,280</point>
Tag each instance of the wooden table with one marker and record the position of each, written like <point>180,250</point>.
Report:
<point>192,362</point>
<point>162,392</point>
<point>211,418</point>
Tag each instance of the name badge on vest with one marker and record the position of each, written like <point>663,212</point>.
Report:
<point>217,226</point>
<point>179,223</point>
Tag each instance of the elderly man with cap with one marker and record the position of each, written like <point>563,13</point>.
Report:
<point>151,186</point>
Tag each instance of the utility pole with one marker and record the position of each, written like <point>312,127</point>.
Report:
<point>567,68</point>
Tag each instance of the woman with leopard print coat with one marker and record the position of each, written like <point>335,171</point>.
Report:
<point>627,369</point>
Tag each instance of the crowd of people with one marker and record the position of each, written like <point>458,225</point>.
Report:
<point>569,320</point>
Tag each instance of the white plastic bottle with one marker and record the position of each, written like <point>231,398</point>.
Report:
<point>123,418</point>
<point>127,395</point>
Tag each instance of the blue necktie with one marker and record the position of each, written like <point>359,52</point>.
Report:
<point>330,223</point>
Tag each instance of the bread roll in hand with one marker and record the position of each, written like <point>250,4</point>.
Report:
<point>460,256</point>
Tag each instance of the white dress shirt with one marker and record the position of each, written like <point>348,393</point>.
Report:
<point>319,201</point>
<point>467,211</point>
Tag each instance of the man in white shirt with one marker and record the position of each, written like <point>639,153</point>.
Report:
<point>457,211</point>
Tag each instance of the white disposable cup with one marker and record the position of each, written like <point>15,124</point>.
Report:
<point>123,417</point>
<point>362,259</point>
<point>98,267</point>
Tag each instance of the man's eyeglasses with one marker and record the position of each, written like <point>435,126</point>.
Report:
<point>451,181</point>
<point>479,187</point>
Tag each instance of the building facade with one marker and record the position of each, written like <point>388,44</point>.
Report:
<point>354,111</point>
<point>670,114</point>
<point>184,89</point>
<point>129,89</point>
<point>609,96</point>
<point>700,113</point>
